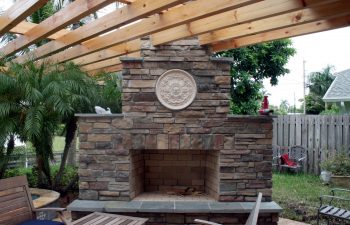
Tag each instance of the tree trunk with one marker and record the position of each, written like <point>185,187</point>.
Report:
<point>71,127</point>
<point>9,150</point>
<point>71,158</point>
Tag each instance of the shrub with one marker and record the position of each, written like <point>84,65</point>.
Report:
<point>339,164</point>
<point>32,175</point>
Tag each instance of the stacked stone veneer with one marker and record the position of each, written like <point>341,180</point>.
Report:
<point>124,155</point>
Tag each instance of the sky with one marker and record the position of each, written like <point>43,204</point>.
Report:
<point>318,50</point>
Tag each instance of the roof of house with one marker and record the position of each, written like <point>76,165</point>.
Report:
<point>340,88</point>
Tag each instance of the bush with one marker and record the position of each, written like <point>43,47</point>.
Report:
<point>32,175</point>
<point>339,164</point>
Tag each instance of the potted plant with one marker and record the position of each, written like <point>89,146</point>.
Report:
<point>339,167</point>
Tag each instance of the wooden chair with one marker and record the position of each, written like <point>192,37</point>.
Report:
<point>16,205</point>
<point>16,208</point>
<point>252,219</point>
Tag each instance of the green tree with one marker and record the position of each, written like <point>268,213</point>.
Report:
<point>318,85</point>
<point>38,98</point>
<point>250,66</point>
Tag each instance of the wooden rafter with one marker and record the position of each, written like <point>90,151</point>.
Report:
<point>109,69</point>
<point>276,6</point>
<point>276,22</point>
<point>107,62</point>
<point>18,12</point>
<point>119,17</point>
<point>246,14</point>
<point>24,26</point>
<point>115,51</point>
<point>308,28</point>
<point>71,13</point>
<point>147,26</point>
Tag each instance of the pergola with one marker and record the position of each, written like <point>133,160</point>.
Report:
<point>221,24</point>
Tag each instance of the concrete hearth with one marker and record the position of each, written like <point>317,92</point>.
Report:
<point>148,151</point>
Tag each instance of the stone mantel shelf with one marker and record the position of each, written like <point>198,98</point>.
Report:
<point>98,115</point>
<point>170,206</point>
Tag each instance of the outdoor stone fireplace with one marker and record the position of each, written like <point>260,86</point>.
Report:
<point>151,151</point>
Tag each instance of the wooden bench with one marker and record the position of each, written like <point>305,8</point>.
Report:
<point>109,219</point>
<point>329,210</point>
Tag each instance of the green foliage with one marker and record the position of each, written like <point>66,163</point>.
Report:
<point>32,175</point>
<point>250,66</point>
<point>339,164</point>
<point>333,110</point>
<point>36,99</point>
<point>110,91</point>
<point>318,85</point>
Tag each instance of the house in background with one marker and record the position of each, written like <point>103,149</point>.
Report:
<point>339,92</point>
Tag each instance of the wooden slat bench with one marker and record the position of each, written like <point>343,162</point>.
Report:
<point>330,210</point>
<point>98,218</point>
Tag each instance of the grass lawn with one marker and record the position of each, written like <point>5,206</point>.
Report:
<point>58,144</point>
<point>298,195</point>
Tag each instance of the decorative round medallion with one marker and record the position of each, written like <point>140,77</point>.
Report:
<point>176,89</point>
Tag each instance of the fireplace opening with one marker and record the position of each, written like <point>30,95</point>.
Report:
<point>174,174</point>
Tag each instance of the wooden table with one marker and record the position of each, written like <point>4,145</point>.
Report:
<point>97,218</point>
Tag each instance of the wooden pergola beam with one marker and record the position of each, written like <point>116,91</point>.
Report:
<point>115,51</point>
<point>276,22</point>
<point>246,14</point>
<point>107,63</point>
<point>296,16</point>
<point>155,23</point>
<point>18,12</point>
<point>25,26</point>
<point>308,28</point>
<point>69,14</point>
<point>127,14</point>
<point>109,69</point>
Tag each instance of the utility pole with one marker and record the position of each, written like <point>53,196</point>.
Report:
<point>304,85</point>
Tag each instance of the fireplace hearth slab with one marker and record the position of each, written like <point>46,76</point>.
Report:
<point>170,207</point>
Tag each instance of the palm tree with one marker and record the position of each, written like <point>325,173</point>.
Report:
<point>39,97</point>
<point>319,82</point>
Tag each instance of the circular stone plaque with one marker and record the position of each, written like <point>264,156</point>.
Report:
<point>176,89</point>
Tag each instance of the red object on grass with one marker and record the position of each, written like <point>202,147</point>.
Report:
<point>286,161</point>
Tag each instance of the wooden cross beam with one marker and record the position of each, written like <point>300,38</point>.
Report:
<point>127,14</point>
<point>155,23</point>
<point>325,11</point>
<point>69,14</point>
<point>18,12</point>
<point>307,28</point>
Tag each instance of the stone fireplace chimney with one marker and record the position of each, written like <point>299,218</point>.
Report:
<point>175,132</point>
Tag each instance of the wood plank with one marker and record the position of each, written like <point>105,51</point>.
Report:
<point>346,215</point>
<point>275,131</point>
<point>292,119</point>
<point>107,63</point>
<point>276,22</point>
<point>308,28</point>
<point>127,14</point>
<point>324,138</point>
<point>326,209</point>
<point>340,212</point>
<point>234,17</point>
<point>115,51</point>
<point>286,130</point>
<point>317,147</point>
<point>109,69</point>
<point>13,182</point>
<point>311,142</point>
<point>85,219</point>
<point>304,129</point>
<point>25,26</point>
<point>339,133</point>
<point>66,16</point>
<point>155,23</point>
<point>346,136</point>
<point>331,135</point>
<point>298,130</point>
<point>280,131</point>
<point>18,12</point>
